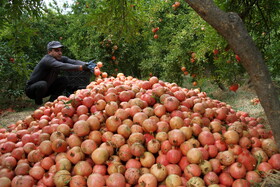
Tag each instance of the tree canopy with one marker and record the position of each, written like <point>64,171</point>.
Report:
<point>139,38</point>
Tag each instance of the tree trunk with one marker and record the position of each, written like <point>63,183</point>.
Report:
<point>231,27</point>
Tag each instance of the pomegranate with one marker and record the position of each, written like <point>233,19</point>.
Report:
<point>147,179</point>
<point>21,169</point>
<point>82,168</point>
<point>237,170</point>
<point>211,178</point>
<point>253,177</point>
<point>122,131</point>
<point>59,145</point>
<point>226,158</point>
<point>192,170</point>
<point>159,171</point>
<point>63,164</point>
<point>206,138</point>
<point>77,181</point>
<point>132,175</point>
<point>231,137</point>
<point>166,146</point>
<point>176,122</point>
<point>147,159</point>
<point>194,156</point>
<point>48,179</point>
<point>112,123</point>
<point>23,180</point>
<point>37,172</point>
<point>247,159</point>
<point>115,180</point>
<point>176,137</point>
<point>173,156</point>
<point>74,140</point>
<point>100,155</point>
<point>183,162</point>
<point>241,183</point>
<point>264,167</point>
<point>137,149</point>
<point>47,162</point>
<point>173,180</point>
<point>173,169</point>
<point>162,159</point>
<point>205,166</point>
<point>5,182</point>
<point>45,147</point>
<point>133,163</point>
<point>274,161</point>
<point>99,168</point>
<point>270,147</point>
<point>62,178</point>
<point>171,103</point>
<point>35,156</point>
<point>88,146</point>
<point>75,154</point>
<point>81,128</point>
<point>226,179</point>
<point>196,181</point>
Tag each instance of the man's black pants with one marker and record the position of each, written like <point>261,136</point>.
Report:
<point>40,89</point>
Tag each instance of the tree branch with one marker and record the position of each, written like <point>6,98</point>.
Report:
<point>231,27</point>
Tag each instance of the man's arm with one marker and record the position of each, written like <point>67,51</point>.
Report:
<point>72,61</point>
<point>65,64</point>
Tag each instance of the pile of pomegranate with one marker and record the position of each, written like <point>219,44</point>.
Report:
<point>122,131</point>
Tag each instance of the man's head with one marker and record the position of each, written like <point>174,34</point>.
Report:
<point>55,49</point>
<point>54,45</point>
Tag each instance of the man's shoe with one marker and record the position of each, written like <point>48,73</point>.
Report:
<point>52,98</point>
<point>38,101</point>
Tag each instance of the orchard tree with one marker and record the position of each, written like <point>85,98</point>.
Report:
<point>119,24</point>
<point>13,10</point>
<point>231,27</point>
<point>15,17</point>
<point>198,47</point>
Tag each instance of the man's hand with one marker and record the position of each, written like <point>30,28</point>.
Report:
<point>85,67</point>
<point>92,65</point>
<point>89,66</point>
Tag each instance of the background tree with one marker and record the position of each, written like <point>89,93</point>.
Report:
<point>13,10</point>
<point>15,35</point>
<point>231,27</point>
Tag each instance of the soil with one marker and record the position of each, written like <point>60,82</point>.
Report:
<point>8,118</point>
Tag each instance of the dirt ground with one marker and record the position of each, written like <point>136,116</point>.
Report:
<point>17,110</point>
<point>8,118</point>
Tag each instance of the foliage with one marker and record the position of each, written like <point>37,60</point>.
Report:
<point>121,19</point>
<point>10,66</point>
<point>15,38</point>
<point>263,23</point>
<point>112,32</point>
<point>183,35</point>
<point>190,45</point>
<point>120,34</point>
<point>13,10</point>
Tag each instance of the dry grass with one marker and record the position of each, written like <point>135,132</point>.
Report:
<point>241,100</point>
<point>8,118</point>
<point>18,110</point>
<point>272,179</point>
